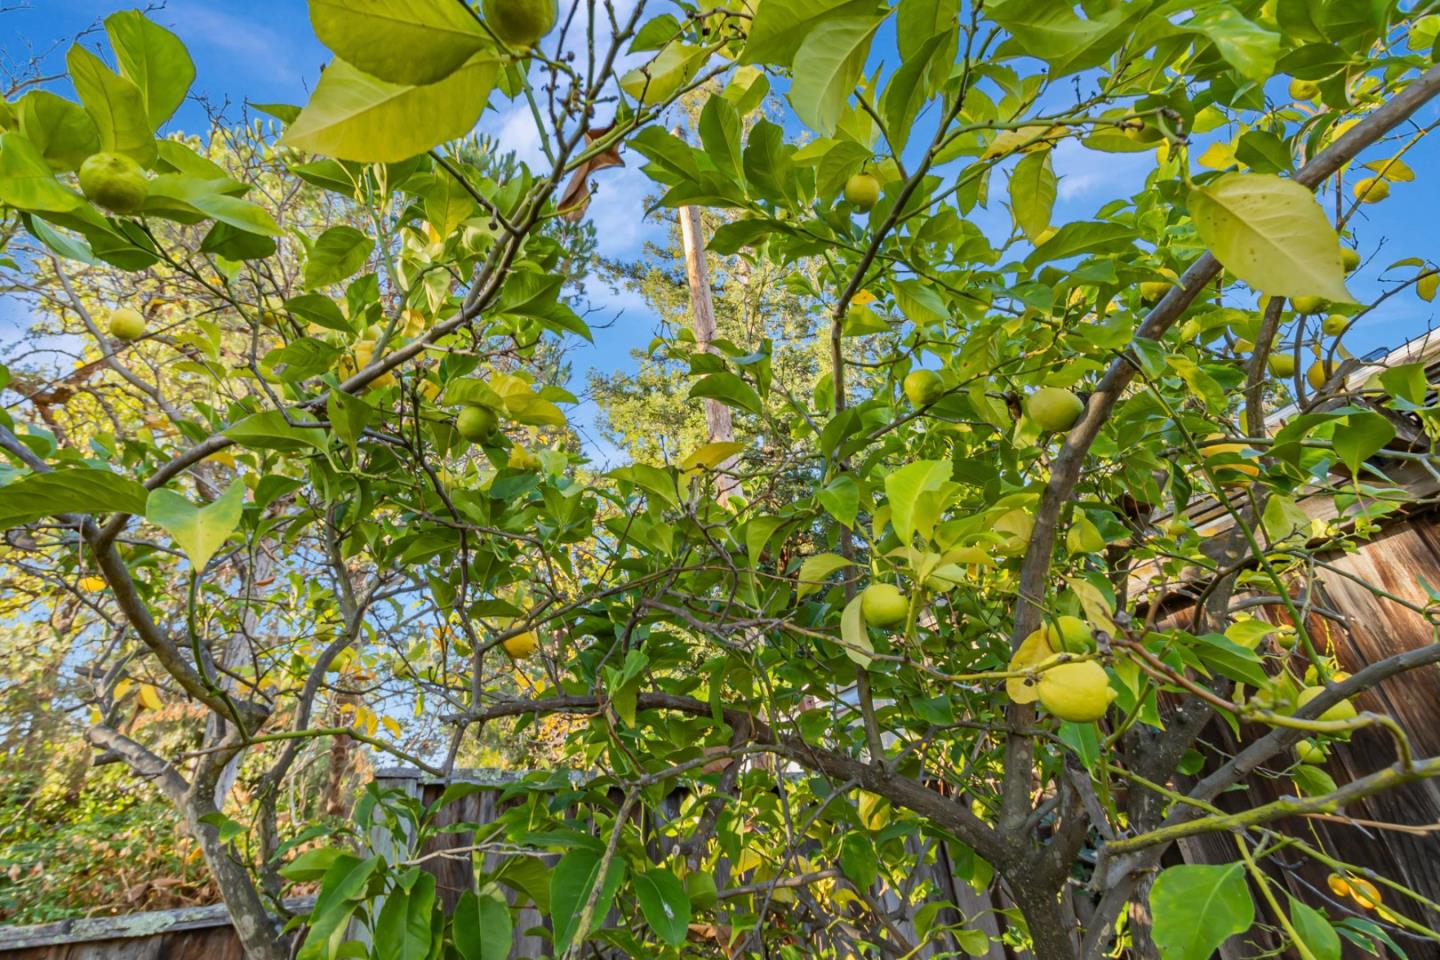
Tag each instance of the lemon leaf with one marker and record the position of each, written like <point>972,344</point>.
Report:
<point>853,632</point>
<point>711,455</point>
<point>1271,233</point>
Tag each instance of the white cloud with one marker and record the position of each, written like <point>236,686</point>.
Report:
<point>1084,172</point>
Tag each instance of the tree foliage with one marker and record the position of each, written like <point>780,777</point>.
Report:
<point>329,498</point>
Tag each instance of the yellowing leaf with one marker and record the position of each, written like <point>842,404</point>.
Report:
<point>150,697</point>
<point>1425,287</point>
<point>353,116</point>
<point>1395,170</point>
<point>711,455</point>
<point>1218,156</point>
<point>1035,137</point>
<point>1033,651</point>
<point>1271,233</point>
<point>392,725</point>
<point>852,631</point>
<point>1095,604</point>
<point>91,584</point>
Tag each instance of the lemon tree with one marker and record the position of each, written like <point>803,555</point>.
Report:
<point>316,482</point>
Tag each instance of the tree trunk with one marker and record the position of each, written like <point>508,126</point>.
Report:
<point>702,308</point>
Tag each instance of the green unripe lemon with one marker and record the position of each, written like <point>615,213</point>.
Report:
<point>113,181</point>
<point>1078,692</point>
<point>127,324</point>
<point>1344,710</point>
<point>1309,304</point>
<point>1335,324</point>
<point>1282,364</point>
<point>883,605</point>
<point>923,387</point>
<point>1349,258</point>
<point>1301,90</point>
<point>1053,408</point>
<point>476,423</point>
<point>1070,635</point>
<point>520,23</point>
<point>863,190</point>
<point>1308,751</point>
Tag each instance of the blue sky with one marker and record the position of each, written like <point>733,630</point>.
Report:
<point>264,50</point>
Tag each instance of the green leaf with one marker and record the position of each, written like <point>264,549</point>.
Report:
<point>115,104</point>
<point>919,302</point>
<point>1195,907</point>
<point>60,129</point>
<point>348,416</point>
<point>852,630</point>
<point>482,927</point>
<point>339,253</point>
<point>720,135</point>
<point>728,389</point>
<point>228,829</point>
<point>399,41</point>
<point>665,904</point>
<point>834,56</point>
<point>312,864</point>
<point>1054,33</point>
<point>571,883</point>
<point>1032,193</point>
<point>1360,437</point>
<point>342,885</point>
<point>354,116</point>
<point>1245,45</point>
<point>270,430</point>
<point>1313,781</point>
<point>1230,659</point>
<point>1271,233</point>
<point>199,531</point>
<point>912,86</point>
<point>1319,937</point>
<point>1082,236</point>
<point>1407,382</point>
<point>758,533</point>
<point>71,490</point>
<point>664,76</point>
<point>814,570</point>
<point>858,860</point>
<point>26,180</point>
<point>911,491</point>
<point>780,28</point>
<point>841,498</point>
<point>153,59</point>
<point>207,197</point>
<point>402,931</point>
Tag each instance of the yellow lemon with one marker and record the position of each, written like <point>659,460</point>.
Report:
<point>522,646</point>
<point>1078,692</point>
<point>1152,290</point>
<point>1282,364</point>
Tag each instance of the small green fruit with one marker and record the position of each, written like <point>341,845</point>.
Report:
<point>113,181</point>
<point>520,23</point>
<point>1344,710</point>
<point>863,190</point>
<point>883,605</point>
<point>1335,324</point>
<point>1309,304</point>
<point>1070,635</point>
<point>1282,364</point>
<point>923,387</point>
<point>1302,90</point>
<point>127,324</point>
<point>1152,290</point>
<point>1308,751</point>
<point>1349,258</point>
<point>476,423</point>
<point>1053,408</point>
